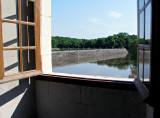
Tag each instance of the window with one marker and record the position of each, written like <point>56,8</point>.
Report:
<point>144,39</point>
<point>89,39</point>
<point>19,38</point>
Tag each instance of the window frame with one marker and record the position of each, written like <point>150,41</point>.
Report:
<point>139,11</point>
<point>19,22</point>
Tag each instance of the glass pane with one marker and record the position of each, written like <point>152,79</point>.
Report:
<point>141,44</point>
<point>11,62</point>
<point>141,4</point>
<point>146,1</point>
<point>9,9</point>
<point>140,64</point>
<point>28,60</point>
<point>141,28</point>
<point>27,13</point>
<point>146,64</point>
<point>10,35</point>
<point>148,25</point>
<point>28,35</point>
<point>147,42</point>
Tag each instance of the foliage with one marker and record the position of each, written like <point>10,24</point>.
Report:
<point>120,40</point>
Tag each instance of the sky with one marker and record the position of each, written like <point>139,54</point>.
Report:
<point>92,19</point>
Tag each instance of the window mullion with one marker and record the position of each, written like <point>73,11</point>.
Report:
<point>1,46</point>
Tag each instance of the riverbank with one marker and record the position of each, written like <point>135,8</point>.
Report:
<point>63,58</point>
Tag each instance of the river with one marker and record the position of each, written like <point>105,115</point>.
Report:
<point>123,67</point>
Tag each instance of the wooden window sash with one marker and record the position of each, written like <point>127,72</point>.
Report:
<point>1,45</point>
<point>20,48</point>
<point>20,35</point>
<point>36,25</point>
<point>37,34</point>
<point>31,0</point>
<point>18,22</point>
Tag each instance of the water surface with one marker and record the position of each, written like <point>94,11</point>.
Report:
<point>119,68</point>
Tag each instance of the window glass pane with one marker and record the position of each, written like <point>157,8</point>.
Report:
<point>9,9</point>
<point>140,64</point>
<point>11,61</point>
<point>27,13</point>
<point>141,44</point>
<point>10,35</point>
<point>141,28</point>
<point>141,4</point>
<point>148,25</point>
<point>28,35</point>
<point>147,42</point>
<point>28,60</point>
<point>146,63</point>
<point>146,1</point>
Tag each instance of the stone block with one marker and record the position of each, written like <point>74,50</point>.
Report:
<point>97,112</point>
<point>45,23</point>
<point>46,45</point>
<point>51,108</point>
<point>42,89</point>
<point>45,8</point>
<point>65,92</point>
<point>46,64</point>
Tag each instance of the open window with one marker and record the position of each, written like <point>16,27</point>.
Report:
<point>144,46</point>
<point>19,39</point>
<point>90,42</point>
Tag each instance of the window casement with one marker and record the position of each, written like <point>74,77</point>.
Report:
<point>144,52</point>
<point>19,39</point>
<point>144,39</point>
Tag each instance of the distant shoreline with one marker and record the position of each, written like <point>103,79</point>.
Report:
<point>62,58</point>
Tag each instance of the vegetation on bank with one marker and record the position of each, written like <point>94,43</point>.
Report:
<point>120,40</point>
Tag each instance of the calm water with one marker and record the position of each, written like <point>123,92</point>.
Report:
<point>119,68</point>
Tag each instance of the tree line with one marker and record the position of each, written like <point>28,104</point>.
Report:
<point>120,40</point>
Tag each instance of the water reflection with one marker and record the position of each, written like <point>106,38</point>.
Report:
<point>123,67</point>
<point>121,64</point>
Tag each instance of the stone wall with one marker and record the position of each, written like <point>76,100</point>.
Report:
<point>69,100</point>
<point>62,58</point>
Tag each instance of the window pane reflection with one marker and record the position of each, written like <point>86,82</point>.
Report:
<point>147,41</point>
<point>27,11</point>
<point>28,60</point>
<point>141,44</point>
<point>148,25</point>
<point>146,1</point>
<point>141,4</point>
<point>141,28</point>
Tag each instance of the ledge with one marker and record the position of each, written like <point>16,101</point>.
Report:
<point>90,77</point>
<point>85,80</point>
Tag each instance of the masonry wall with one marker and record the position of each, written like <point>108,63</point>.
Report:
<point>68,100</point>
<point>61,58</point>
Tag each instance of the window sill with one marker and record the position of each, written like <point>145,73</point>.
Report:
<point>94,81</point>
<point>89,77</point>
